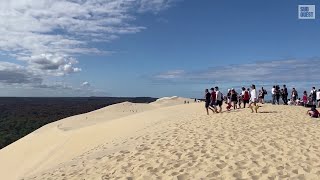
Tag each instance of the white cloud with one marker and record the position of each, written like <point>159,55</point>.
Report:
<point>85,84</point>
<point>293,70</point>
<point>173,74</point>
<point>15,74</point>
<point>48,35</point>
<point>155,5</point>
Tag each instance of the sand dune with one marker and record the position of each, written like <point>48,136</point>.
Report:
<point>173,142</point>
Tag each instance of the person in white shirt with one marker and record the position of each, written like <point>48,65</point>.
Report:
<point>219,98</point>
<point>318,97</point>
<point>253,98</point>
<point>273,93</point>
<point>313,94</point>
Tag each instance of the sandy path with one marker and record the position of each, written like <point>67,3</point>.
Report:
<point>282,143</point>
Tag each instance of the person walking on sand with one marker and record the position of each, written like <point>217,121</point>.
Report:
<point>305,98</point>
<point>213,100</point>
<point>273,94</point>
<point>207,97</point>
<point>285,95</point>
<point>318,97</point>
<point>313,95</point>
<point>282,96</point>
<point>234,98</point>
<point>245,97</point>
<point>253,99</point>
<point>240,100</point>
<point>264,93</point>
<point>294,95</point>
<point>277,94</point>
<point>260,95</point>
<point>219,99</point>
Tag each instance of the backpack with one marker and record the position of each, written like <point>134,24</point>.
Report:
<point>314,94</point>
<point>265,92</point>
<point>246,95</point>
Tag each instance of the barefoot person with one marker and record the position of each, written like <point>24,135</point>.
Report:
<point>219,98</point>
<point>305,98</point>
<point>313,95</point>
<point>213,100</point>
<point>285,95</point>
<point>245,97</point>
<point>264,93</point>
<point>240,100</point>
<point>318,97</point>
<point>208,100</point>
<point>234,98</point>
<point>294,95</point>
<point>253,99</point>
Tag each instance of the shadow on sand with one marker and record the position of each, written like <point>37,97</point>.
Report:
<point>268,112</point>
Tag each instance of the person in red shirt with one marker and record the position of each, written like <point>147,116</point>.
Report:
<point>213,100</point>
<point>245,97</point>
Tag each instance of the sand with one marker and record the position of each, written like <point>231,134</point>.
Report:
<point>162,141</point>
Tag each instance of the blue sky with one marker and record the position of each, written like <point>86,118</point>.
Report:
<point>154,48</point>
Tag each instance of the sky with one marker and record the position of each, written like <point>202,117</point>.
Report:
<point>154,48</point>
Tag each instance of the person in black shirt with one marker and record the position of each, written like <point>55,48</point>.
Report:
<point>277,94</point>
<point>285,95</point>
<point>234,98</point>
<point>208,100</point>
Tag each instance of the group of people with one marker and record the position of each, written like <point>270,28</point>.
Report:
<point>214,98</point>
<point>313,99</point>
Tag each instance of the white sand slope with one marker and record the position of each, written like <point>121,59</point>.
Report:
<point>63,140</point>
<point>173,142</point>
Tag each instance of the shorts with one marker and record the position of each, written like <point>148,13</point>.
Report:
<point>207,104</point>
<point>318,100</point>
<point>219,103</point>
<point>246,101</point>
<point>253,101</point>
<point>234,100</point>
<point>213,104</point>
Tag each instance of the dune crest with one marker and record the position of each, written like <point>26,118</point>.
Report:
<point>65,139</point>
<point>174,142</point>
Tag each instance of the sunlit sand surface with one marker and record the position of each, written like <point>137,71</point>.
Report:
<point>170,140</point>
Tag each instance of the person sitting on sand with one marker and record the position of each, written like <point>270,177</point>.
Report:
<point>207,101</point>
<point>253,99</point>
<point>298,102</point>
<point>313,112</point>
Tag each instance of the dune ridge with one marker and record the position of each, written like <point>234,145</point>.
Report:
<point>177,142</point>
<point>65,139</point>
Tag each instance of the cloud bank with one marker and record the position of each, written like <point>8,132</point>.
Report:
<point>48,35</point>
<point>292,70</point>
